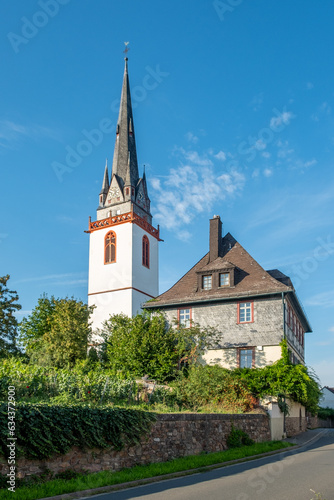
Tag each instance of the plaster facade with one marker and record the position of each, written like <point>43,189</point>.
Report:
<point>122,286</point>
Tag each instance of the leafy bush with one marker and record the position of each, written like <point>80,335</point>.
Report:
<point>43,430</point>
<point>238,438</point>
<point>295,381</point>
<point>85,382</point>
<point>326,413</point>
<point>213,386</point>
<point>147,345</point>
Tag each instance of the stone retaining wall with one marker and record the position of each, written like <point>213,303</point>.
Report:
<point>172,436</point>
<point>295,425</point>
<point>315,422</point>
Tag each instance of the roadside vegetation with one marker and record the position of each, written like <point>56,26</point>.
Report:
<point>37,487</point>
<point>142,366</point>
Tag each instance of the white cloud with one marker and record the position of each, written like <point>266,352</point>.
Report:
<point>156,183</point>
<point>184,235</point>
<point>23,312</point>
<point>260,145</point>
<point>192,189</point>
<point>282,119</point>
<point>323,110</point>
<point>220,156</point>
<point>257,101</point>
<point>11,133</point>
<point>310,163</point>
<point>268,172</point>
<point>309,85</point>
<point>331,329</point>
<point>284,150</point>
<point>266,154</point>
<point>324,299</point>
<point>191,137</point>
<point>57,279</point>
<point>195,158</point>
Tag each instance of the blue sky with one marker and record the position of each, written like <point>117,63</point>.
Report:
<point>233,116</point>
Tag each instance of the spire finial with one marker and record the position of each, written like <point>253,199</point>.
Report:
<point>126,50</point>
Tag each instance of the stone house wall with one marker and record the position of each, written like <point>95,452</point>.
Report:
<point>172,436</point>
<point>264,333</point>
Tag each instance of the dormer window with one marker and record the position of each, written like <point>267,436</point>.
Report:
<point>224,279</point>
<point>207,282</point>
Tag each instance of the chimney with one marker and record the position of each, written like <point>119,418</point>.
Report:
<point>215,238</point>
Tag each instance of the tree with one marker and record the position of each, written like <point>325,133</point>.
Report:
<point>38,323</point>
<point>57,331</point>
<point>8,321</point>
<point>147,345</point>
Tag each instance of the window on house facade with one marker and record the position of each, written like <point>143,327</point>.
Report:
<point>207,282</point>
<point>224,279</point>
<point>245,312</point>
<point>184,317</point>
<point>110,248</point>
<point>146,252</point>
<point>246,358</point>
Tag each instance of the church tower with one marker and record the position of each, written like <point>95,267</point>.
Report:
<point>123,244</point>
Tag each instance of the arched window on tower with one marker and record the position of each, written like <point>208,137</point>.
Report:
<point>146,252</point>
<point>110,248</point>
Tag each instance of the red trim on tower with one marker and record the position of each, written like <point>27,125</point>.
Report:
<point>122,219</point>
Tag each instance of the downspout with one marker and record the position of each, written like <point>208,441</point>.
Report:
<point>284,337</point>
<point>284,332</point>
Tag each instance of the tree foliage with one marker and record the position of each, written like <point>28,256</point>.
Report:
<point>8,322</point>
<point>57,331</point>
<point>213,387</point>
<point>147,345</point>
<point>282,377</point>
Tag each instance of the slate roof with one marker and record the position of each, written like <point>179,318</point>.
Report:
<point>125,153</point>
<point>250,279</point>
<point>331,389</point>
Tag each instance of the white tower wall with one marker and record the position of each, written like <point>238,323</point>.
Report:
<point>121,286</point>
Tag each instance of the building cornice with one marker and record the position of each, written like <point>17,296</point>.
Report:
<point>116,220</point>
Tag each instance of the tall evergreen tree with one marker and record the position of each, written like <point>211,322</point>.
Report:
<point>8,321</point>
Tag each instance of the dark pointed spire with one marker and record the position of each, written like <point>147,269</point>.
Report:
<point>105,183</point>
<point>144,182</point>
<point>125,146</point>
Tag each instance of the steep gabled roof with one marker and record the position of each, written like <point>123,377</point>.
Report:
<point>250,278</point>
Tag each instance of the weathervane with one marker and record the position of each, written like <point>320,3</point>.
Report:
<point>126,48</point>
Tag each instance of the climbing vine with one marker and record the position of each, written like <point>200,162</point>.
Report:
<point>43,430</point>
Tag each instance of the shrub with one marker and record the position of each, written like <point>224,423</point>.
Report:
<point>214,386</point>
<point>238,438</point>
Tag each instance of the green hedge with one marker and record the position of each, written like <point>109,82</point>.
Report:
<point>85,382</point>
<point>43,430</point>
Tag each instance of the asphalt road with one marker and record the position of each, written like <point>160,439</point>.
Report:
<point>287,476</point>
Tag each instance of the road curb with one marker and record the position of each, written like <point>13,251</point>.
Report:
<point>165,477</point>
